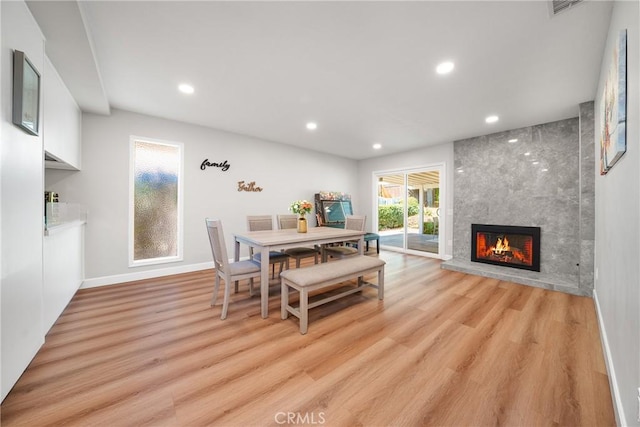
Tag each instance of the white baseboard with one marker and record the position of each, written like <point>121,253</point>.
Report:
<point>141,275</point>
<point>615,391</point>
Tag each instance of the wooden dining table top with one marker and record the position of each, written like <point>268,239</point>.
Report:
<point>283,238</point>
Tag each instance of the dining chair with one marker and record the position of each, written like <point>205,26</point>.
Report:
<point>352,222</point>
<point>288,221</point>
<point>262,223</point>
<point>225,270</point>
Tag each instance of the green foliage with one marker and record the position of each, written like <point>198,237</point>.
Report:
<point>390,216</point>
<point>428,228</point>
<point>414,206</point>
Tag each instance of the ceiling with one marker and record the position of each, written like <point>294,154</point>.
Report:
<point>363,71</point>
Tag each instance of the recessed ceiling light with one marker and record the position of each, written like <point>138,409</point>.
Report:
<point>545,170</point>
<point>377,146</point>
<point>445,67</point>
<point>535,162</point>
<point>513,140</point>
<point>312,126</point>
<point>185,88</point>
<point>491,119</point>
<point>527,153</point>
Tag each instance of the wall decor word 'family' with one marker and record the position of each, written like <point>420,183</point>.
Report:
<point>251,187</point>
<point>224,165</point>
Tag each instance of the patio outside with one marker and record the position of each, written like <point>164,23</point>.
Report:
<point>423,229</point>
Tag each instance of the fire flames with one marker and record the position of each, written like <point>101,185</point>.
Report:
<point>497,248</point>
<point>502,245</point>
<point>502,251</point>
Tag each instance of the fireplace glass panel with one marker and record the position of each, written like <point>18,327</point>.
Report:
<point>508,246</point>
<point>512,249</point>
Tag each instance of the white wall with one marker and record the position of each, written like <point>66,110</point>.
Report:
<point>22,207</point>
<point>285,173</point>
<point>442,153</point>
<point>617,254</point>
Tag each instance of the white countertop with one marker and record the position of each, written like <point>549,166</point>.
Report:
<point>49,230</point>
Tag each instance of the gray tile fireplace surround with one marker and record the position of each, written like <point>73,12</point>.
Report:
<point>551,187</point>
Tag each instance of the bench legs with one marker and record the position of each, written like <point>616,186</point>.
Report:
<point>302,313</point>
<point>284,300</point>
<point>304,310</point>
<point>381,283</point>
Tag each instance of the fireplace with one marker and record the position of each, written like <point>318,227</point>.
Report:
<point>506,245</point>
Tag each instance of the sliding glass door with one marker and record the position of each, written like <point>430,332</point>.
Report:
<point>408,210</point>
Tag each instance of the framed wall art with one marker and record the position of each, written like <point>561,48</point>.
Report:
<point>26,93</point>
<point>613,108</point>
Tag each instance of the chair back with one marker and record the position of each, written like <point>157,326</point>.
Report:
<point>355,222</point>
<point>218,247</point>
<point>287,221</point>
<point>259,222</point>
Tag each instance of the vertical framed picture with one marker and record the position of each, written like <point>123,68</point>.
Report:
<point>26,93</point>
<point>613,109</point>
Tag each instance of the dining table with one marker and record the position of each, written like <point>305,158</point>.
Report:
<point>265,241</point>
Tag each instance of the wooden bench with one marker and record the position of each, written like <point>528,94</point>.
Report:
<point>322,276</point>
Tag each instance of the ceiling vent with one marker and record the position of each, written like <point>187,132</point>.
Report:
<point>558,6</point>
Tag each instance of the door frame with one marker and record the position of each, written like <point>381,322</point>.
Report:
<point>442,219</point>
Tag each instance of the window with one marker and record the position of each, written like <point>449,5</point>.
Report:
<point>155,203</point>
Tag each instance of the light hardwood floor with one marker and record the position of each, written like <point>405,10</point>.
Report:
<point>442,349</point>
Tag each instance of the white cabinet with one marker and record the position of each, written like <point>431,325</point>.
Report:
<point>63,252</point>
<point>63,268</point>
<point>21,210</point>
<point>62,120</point>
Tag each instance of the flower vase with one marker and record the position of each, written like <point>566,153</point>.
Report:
<point>302,225</point>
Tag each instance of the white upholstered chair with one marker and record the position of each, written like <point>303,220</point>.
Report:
<point>265,222</point>
<point>289,221</point>
<point>225,270</point>
<point>352,222</point>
